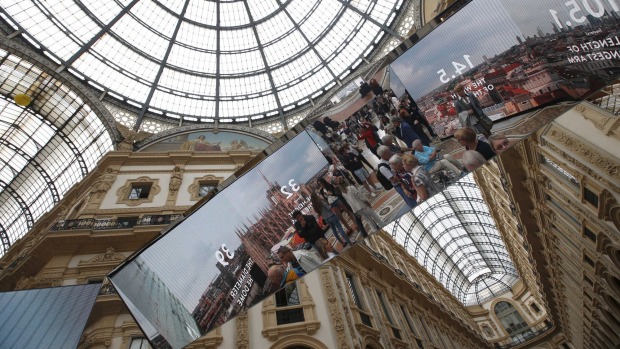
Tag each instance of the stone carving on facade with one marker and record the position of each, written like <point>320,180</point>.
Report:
<point>241,324</point>
<point>603,161</point>
<point>606,202</point>
<point>100,337</point>
<point>335,314</point>
<point>176,179</point>
<point>130,137</point>
<point>607,123</point>
<point>347,308</point>
<point>103,183</point>
<point>26,283</point>
<point>110,255</point>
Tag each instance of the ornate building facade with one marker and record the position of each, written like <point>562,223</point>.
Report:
<point>553,197</point>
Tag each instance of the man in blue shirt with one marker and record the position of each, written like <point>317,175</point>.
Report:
<point>404,131</point>
<point>429,159</point>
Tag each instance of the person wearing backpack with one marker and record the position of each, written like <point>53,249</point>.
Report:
<point>387,178</point>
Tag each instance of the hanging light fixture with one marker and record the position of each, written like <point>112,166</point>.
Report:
<point>22,99</point>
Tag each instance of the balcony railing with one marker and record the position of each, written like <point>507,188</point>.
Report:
<point>116,223</point>
<point>526,338</point>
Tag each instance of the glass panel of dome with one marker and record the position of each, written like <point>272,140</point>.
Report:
<point>362,5</point>
<point>316,81</point>
<point>233,14</point>
<point>263,8</point>
<point>309,61</point>
<point>285,48</point>
<point>322,18</point>
<point>238,39</point>
<point>175,6</point>
<point>135,31</point>
<point>18,225</point>
<point>187,83</point>
<point>381,11</point>
<point>337,35</point>
<point>251,106</point>
<point>241,63</point>
<point>247,85</point>
<point>196,37</point>
<point>104,10</point>
<point>274,29</point>
<point>201,11</point>
<point>300,9</point>
<point>75,21</point>
<point>184,105</point>
<point>36,23</point>
<point>43,199</point>
<point>6,172</point>
<point>123,58</point>
<point>123,83</point>
<point>349,53</point>
<point>192,59</point>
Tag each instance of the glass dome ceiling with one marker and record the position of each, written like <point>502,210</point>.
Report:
<point>454,237</point>
<point>207,59</point>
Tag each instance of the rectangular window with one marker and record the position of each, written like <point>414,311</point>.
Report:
<point>428,333</point>
<point>288,296</point>
<point>589,234</point>
<point>587,279</point>
<point>559,170</point>
<point>290,316</point>
<point>139,343</point>
<point>588,260</point>
<point>140,191</point>
<point>385,308</point>
<point>353,290</point>
<point>590,197</point>
<point>409,322</point>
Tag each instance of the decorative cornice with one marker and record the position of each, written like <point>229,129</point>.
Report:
<point>589,153</point>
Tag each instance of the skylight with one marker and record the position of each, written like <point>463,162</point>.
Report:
<point>454,236</point>
<point>206,58</point>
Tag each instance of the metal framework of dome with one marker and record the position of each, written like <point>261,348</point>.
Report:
<point>454,236</point>
<point>45,148</point>
<point>207,60</point>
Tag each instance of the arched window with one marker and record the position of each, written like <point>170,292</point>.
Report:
<point>513,322</point>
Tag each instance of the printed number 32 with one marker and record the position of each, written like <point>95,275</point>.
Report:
<point>294,187</point>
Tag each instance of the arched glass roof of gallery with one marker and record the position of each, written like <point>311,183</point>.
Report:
<point>454,236</point>
<point>207,59</point>
<point>45,148</point>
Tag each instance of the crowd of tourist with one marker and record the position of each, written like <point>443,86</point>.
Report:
<point>407,159</point>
